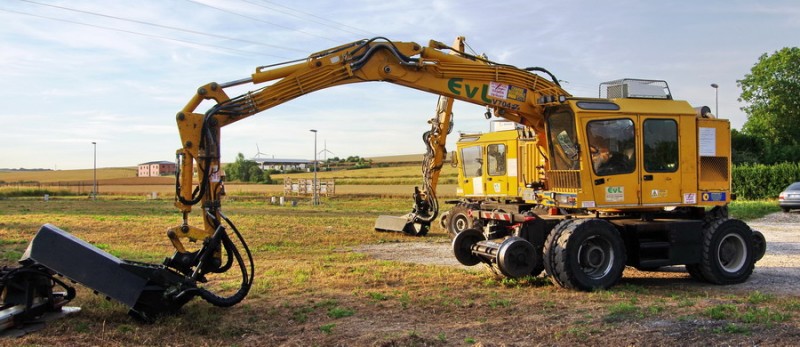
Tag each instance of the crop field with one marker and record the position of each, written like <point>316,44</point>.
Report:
<point>66,175</point>
<point>312,288</point>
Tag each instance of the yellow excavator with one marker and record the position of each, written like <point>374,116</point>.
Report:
<point>647,176</point>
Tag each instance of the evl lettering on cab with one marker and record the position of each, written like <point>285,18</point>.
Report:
<point>456,86</point>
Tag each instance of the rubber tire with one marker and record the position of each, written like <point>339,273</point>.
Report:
<point>785,209</point>
<point>517,257</point>
<point>695,273</point>
<point>539,267</point>
<point>736,236</point>
<point>459,220</point>
<point>714,214</point>
<point>443,220</point>
<point>462,246</point>
<point>759,245</point>
<point>549,257</point>
<point>604,237</point>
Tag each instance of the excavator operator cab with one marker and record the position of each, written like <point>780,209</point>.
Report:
<point>635,147</point>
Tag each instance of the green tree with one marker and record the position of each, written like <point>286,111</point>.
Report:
<point>772,93</point>
<point>747,149</point>
<point>245,171</point>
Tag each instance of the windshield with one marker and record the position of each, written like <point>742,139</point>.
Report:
<point>563,145</point>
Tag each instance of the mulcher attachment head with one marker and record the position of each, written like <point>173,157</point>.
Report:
<point>405,224</point>
<point>149,290</point>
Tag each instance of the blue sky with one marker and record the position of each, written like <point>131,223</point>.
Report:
<point>116,72</point>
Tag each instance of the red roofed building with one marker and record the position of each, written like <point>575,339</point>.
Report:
<point>157,168</point>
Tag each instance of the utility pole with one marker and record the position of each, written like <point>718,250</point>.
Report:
<point>94,190</point>
<point>716,98</point>
<point>315,198</point>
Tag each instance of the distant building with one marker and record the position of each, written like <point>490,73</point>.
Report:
<point>284,165</point>
<point>157,168</point>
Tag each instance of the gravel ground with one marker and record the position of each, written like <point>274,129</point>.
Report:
<point>778,272</point>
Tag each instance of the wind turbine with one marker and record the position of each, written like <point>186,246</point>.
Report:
<point>258,153</point>
<point>258,156</point>
<point>325,151</point>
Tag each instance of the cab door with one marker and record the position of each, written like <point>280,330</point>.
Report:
<point>471,175</point>
<point>496,169</point>
<point>613,161</point>
<point>661,180</point>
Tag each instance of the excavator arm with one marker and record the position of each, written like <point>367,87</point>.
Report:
<point>512,93</point>
<point>151,290</point>
<point>426,206</point>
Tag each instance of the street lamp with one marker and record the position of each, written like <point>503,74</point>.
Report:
<point>94,190</point>
<point>315,201</point>
<point>716,98</point>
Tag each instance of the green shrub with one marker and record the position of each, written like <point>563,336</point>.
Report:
<point>758,181</point>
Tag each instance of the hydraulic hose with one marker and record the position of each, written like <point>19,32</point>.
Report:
<point>247,276</point>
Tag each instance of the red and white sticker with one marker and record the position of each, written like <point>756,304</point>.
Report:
<point>498,90</point>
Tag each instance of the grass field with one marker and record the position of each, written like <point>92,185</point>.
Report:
<point>311,289</point>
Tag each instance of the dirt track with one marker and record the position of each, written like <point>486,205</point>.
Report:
<point>778,272</point>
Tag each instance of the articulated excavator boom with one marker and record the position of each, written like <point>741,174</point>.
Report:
<point>150,290</point>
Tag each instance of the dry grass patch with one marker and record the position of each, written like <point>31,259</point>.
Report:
<point>310,290</point>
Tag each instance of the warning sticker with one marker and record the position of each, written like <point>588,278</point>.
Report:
<point>516,93</point>
<point>690,198</point>
<point>498,90</point>
<point>655,193</point>
<point>615,194</point>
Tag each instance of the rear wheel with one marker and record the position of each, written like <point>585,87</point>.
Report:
<point>589,254</point>
<point>728,255</point>
<point>443,220</point>
<point>548,252</point>
<point>459,220</point>
<point>759,245</point>
<point>695,273</point>
<point>785,209</point>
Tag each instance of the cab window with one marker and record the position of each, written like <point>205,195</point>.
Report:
<point>660,145</point>
<point>563,144</point>
<point>612,145</point>
<point>473,164</point>
<point>496,158</point>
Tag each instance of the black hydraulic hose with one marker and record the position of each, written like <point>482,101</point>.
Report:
<point>37,272</point>
<point>541,69</point>
<point>247,278</point>
<point>390,46</point>
<point>244,245</point>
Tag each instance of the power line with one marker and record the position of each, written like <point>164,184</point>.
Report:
<point>340,25</point>
<point>162,26</point>
<point>261,20</point>
<point>141,34</point>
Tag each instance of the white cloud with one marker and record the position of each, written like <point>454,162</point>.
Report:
<point>70,84</point>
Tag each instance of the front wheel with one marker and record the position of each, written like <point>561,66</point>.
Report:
<point>459,219</point>
<point>728,256</point>
<point>589,254</point>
